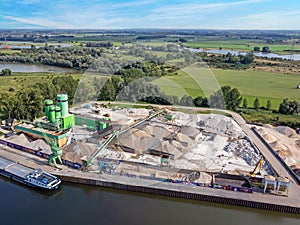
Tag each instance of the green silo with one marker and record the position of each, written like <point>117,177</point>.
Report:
<point>57,112</point>
<point>47,104</point>
<point>62,102</point>
<point>52,114</point>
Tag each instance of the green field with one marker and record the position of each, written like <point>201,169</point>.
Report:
<point>200,82</point>
<point>240,46</point>
<point>18,81</point>
<point>9,51</point>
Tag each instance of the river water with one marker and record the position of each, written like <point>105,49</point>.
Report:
<point>27,45</point>
<point>78,204</point>
<point>259,54</point>
<point>32,68</point>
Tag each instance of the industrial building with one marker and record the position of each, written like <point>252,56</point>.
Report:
<point>158,144</point>
<point>54,125</point>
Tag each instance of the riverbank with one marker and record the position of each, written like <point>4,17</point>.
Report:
<point>35,68</point>
<point>255,200</point>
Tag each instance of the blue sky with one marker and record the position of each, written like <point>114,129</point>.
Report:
<point>115,14</point>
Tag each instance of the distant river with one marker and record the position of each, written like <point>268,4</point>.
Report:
<point>259,54</point>
<point>27,45</point>
<point>32,68</point>
<point>78,204</point>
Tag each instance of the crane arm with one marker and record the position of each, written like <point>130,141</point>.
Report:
<point>258,167</point>
<point>116,133</point>
<point>44,134</point>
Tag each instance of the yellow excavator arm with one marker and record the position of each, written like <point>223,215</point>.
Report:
<point>257,168</point>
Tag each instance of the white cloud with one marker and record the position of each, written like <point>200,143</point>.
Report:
<point>124,15</point>
<point>133,4</point>
<point>188,9</point>
<point>272,20</point>
<point>39,22</point>
<point>267,15</point>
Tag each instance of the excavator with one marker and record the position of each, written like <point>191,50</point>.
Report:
<point>255,177</point>
<point>257,169</point>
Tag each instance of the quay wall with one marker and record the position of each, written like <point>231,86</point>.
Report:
<point>159,190</point>
<point>182,194</point>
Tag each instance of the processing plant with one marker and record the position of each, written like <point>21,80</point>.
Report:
<point>58,117</point>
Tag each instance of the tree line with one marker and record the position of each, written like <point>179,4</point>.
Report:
<point>28,103</point>
<point>5,72</point>
<point>228,61</point>
<point>99,57</point>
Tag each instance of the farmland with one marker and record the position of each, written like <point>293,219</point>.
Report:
<point>243,45</point>
<point>19,81</point>
<point>251,84</point>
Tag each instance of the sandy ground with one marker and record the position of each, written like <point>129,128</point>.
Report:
<point>202,142</point>
<point>284,141</point>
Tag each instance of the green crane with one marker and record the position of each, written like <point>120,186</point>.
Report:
<point>56,152</point>
<point>55,149</point>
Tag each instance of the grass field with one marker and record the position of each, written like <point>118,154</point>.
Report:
<point>240,46</point>
<point>9,51</point>
<point>18,81</point>
<point>251,84</point>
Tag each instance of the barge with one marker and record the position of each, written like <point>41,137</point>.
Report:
<point>34,178</point>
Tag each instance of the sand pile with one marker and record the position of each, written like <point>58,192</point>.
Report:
<point>269,138</point>
<point>192,132</point>
<point>167,147</point>
<point>262,132</point>
<point>40,145</point>
<point>21,139</point>
<point>75,151</point>
<point>268,126</point>
<point>139,140</point>
<point>278,146</point>
<point>156,129</point>
<point>138,133</point>
<point>160,132</point>
<point>283,150</point>
<point>285,130</point>
<point>179,145</point>
<point>185,139</point>
<point>204,178</point>
<point>147,128</point>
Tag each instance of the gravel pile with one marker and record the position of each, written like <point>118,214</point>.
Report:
<point>76,150</point>
<point>192,132</point>
<point>220,124</point>
<point>243,149</point>
<point>269,138</point>
<point>40,145</point>
<point>21,139</point>
<point>204,178</point>
<point>139,140</point>
<point>285,130</point>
